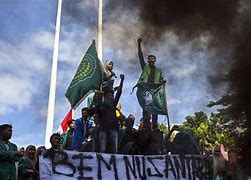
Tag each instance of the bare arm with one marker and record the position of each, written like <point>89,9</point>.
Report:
<point>141,56</point>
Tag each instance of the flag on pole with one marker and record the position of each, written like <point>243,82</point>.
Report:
<point>152,98</point>
<point>87,78</point>
<point>63,127</point>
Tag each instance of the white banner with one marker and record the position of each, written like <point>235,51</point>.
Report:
<point>68,165</point>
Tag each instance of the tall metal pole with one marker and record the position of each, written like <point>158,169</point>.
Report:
<point>52,93</point>
<point>100,30</point>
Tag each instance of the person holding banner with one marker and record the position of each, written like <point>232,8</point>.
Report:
<point>150,81</point>
<point>55,141</point>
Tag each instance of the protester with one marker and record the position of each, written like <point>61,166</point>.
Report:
<point>82,129</point>
<point>219,165</point>
<point>8,153</point>
<point>27,164</point>
<point>92,102</point>
<point>184,143</point>
<point>127,143</point>
<point>153,146</point>
<point>141,124</point>
<point>39,152</point>
<point>22,149</point>
<point>55,141</point>
<point>97,98</point>
<point>120,116</point>
<point>235,171</point>
<point>67,136</point>
<point>150,74</point>
<point>108,124</point>
<point>108,76</point>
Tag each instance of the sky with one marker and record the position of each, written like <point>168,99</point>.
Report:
<point>26,46</point>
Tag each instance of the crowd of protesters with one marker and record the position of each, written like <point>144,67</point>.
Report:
<point>103,128</point>
<point>24,163</point>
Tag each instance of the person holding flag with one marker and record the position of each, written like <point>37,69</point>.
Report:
<point>150,92</point>
<point>87,79</point>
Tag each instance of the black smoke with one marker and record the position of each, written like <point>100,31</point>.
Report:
<point>188,18</point>
<point>227,26</point>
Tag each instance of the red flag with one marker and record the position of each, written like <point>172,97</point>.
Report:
<point>67,118</point>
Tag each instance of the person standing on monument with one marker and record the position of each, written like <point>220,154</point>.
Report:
<point>152,75</point>
<point>108,76</point>
<point>108,124</point>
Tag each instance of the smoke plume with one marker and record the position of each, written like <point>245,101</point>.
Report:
<point>226,24</point>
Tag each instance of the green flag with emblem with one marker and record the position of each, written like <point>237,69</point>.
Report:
<point>87,78</point>
<point>152,97</point>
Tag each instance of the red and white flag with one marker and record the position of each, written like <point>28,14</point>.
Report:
<point>63,127</point>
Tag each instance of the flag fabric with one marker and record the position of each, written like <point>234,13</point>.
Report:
<point>87,78</point>
<point>63,127</point>
<point>152,98</point>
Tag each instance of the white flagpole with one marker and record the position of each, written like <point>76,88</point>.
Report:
<point>52,93</point>
<point>100,30</point>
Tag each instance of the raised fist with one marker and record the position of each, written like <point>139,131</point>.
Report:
<point>163,82</point>
<point>139,40</point>
<point>122,76</point>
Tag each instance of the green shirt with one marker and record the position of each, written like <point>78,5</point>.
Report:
<point>156,75</point>
<point>149,74</point>
<point>25,167</point>
<point>7,161</point>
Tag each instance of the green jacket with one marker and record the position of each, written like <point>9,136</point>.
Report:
<point>63,139</point>
<point>24,167</point>
<point>146,73</point>
<point>64,142</point>
<point>7,161</point>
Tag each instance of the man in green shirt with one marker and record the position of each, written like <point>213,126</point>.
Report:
<point>8,154</point>
<point>153,75</point>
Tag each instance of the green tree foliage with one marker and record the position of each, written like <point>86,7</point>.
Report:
<point>163,128</point>
<point>210,131</point>
<point>236,119</point>
<point>232,117</point>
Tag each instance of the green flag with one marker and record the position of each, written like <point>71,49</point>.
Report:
<point>87,78</point>
<point>152,98</point>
